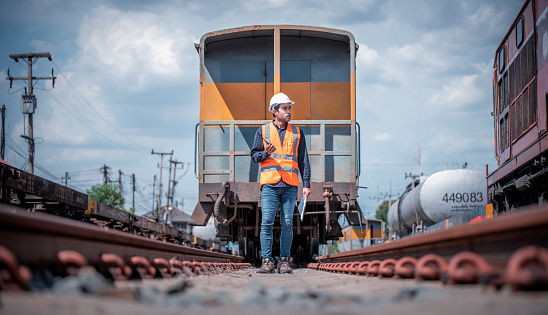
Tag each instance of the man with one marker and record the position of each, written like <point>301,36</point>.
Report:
<point>281,149</point>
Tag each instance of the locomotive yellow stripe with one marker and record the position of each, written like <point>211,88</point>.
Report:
<point>298,92</point>
<point>229,101</point>
<point>331,101</point>
<point>249,101</point>
<point>202,93</point>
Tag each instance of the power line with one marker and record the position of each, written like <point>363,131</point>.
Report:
<point>80,172</point>
<point>98,113</point>
<point>91,128</point>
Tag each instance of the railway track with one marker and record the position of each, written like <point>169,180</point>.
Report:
<point>174,277</point>
<point>306,291</point>
<point>32,244</point>
<point>511,249</point>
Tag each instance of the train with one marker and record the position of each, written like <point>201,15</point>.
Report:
<point>240,70</point>
<point>429,200</point>
<point>355,237</point>
<point>26,190</point>
<point>520,95</point>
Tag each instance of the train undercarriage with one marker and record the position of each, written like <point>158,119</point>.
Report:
<point>527,185</point>
<point>238,219</point>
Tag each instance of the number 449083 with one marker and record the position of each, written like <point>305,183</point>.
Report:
<point>463,197</point>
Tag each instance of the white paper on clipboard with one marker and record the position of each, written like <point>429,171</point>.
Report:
<point>302,206</point>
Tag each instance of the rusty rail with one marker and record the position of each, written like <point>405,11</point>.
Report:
<point>38,241</point>
<point>511,249</point>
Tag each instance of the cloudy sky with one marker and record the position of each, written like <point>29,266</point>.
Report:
<point>127,83</point>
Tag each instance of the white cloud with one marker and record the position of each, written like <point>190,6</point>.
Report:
<point>138,47</point>
<point>375,68</point>
<point>367,56</point>
<point>458,93</point>
<point>409,53</point>
<point>42,46</point>
<point>382,136</point>
<point>451,143</point>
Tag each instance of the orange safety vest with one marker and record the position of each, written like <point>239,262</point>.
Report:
<point>282,163</point>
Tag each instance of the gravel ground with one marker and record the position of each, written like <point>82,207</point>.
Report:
<point>247,292</point>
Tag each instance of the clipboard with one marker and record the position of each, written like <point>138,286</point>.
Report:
<point>302,206</point>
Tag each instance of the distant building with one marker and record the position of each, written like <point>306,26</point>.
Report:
<point>179,219</point>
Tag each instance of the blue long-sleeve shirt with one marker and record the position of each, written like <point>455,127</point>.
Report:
<point>258,154</point>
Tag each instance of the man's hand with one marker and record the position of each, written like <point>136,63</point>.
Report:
<point>270,148</point>
<point>306,191</point>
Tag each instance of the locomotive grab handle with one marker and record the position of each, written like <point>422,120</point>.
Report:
<point>196,149</point>
<point>224,186</point>
<point>358,151</point>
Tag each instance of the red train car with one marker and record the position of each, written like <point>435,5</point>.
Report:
<point>520,92</point>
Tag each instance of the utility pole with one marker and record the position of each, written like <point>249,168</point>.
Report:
<point>376,198</point>
<point>28,101</point>
<point>413,176</point>
<point>160,182</point>
<point>105,169</point>
<point>154,194</point>
<point>133,202</point>
<point>389,195</point>
<point>174,181</point>
<point>169,184</point>
<point>3,145</point>
<point>120,181</point>
<point>66,178</point>
<point>384,195</point>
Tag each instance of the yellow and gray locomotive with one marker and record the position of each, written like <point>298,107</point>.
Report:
<point>240,70</point>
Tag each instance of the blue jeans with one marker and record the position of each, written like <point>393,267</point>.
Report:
<point>271,197</point>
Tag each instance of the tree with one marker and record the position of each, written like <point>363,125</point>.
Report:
<point>107,194</point>
<point>332,247</point>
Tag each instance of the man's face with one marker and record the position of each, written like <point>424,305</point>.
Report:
<point>284,112</point>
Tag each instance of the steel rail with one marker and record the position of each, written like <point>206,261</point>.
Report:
<point>36,238</point>
<point>495,240</point>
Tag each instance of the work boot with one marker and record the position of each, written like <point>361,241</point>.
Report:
<point>266,267</point>
<point>283,265</point>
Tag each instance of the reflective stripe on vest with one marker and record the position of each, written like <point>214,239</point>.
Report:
<point>283,162</point>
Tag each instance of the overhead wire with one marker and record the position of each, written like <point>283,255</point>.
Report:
<point>16,149</point>
<point>85,124</point>
<point>81,172</point>
<point>98,113</point>
<point>75,116</point>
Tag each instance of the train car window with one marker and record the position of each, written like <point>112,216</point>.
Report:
<point>506,97</point>
<point>501,136</point>
<point>501,59</point>
<point>506,132</point>
<point>519,31</point>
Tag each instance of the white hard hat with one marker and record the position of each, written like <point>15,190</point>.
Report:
<point>279,98</point>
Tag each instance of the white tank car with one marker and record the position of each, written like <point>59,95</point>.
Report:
<point>436,198</point>
<point>206,232</point>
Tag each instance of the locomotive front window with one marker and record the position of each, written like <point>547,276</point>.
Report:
<point>501,59</point>
<point>519,32</point>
